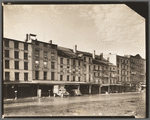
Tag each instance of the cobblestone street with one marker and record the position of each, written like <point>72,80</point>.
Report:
<point>125,104</point>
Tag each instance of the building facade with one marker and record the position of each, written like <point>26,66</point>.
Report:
<point>35,68</point>
<point>17,67</point>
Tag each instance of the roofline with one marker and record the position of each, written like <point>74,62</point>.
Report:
<point>15,40</point>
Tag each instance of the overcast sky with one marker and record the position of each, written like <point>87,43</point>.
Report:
<point>113,28</point>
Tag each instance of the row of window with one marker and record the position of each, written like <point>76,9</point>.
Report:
<point>85,60</point>
<point>123,79</point>
<point>123,66</point>
<point>16,54</point>
<point>7,76</point>
<point>16,64</point>
<point>45,63</point>
<point>37,53</point>
<point>16,45</point>
<point>136,61</point>
<point>122,60</point>
<point>68,62</point>
<point>123,72</point>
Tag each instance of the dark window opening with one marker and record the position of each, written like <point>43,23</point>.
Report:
<point>16,76</point>
<point>61,77</point>
<point>6,43</point>
<point>7,77</point>
<point>25,65</point>
<point>7,64</point>
<point>36,75</point>
<point>26,56</point>
<point>16,45</point>
<point>45,75</point>
<point>53,65</point>
<point>67,77</point>
<point>52,75</point>
<point>16,64</point>
<point>6,53</point>
<point>25,46</point>
<point>25,76</point>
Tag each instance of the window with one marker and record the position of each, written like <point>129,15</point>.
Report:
<point>67,61</point>
<point>98,74</point>
<point>45,75</point>
<point>118,65</point>
<point>94,74</point>
<point>94,67</point>
<point>73,62</point>
<point>85,59</point>
<point>37,53</point>
<point>6,53</point>
<point>84,77</point>
<point>98,67</point>
<point>118,59</point>
<point>16,54</point>
<point>79,79</point>
<point>121,78</point>
<point>124,61</point>
<point>25,76</point>
<point>25,65</point>
<point>79,63</point>
<point>7,64</point>
<point>110,68</point>
<point>16,64</point>
<point>89,60</point>
<point>121,60</point>
<point>16,45</point>
<point>7,76</point>
<point>17,76</point>
<point>127,61</point>
<point>89,68</point>
<point>6,43</point>
<point>73,78</point>
<point>118,71</point>
<point>45,54</point>
<point>118,78</point>
<point>67,77</point>
<point>53,65</point>
<point>84,67</point>
<point>36,75</point>
<point>61,77</point>
<point>52,75</point>
<point>25,46</point>
<point>61,60</point>
<point>26,56</point>
<point>36,63</point>
<point>89,78</point>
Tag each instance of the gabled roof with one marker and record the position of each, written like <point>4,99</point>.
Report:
<point>66,52</point>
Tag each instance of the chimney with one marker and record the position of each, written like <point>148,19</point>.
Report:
<point>50,42</point>
<point>27,38</point>
<point>107,58</point>
<point>101,55</point>
<point>75,49</point>
<point>93,54</point>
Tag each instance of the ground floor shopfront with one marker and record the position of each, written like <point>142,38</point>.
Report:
<point>46,89</point>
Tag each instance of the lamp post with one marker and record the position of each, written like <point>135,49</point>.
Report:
<point>15,94</point>
<point>49,92</point>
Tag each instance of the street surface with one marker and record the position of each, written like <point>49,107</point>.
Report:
<point>124,104</point>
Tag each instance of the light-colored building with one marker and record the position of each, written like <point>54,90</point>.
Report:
<point>17,67</point>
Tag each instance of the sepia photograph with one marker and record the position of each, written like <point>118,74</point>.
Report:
<point>74,60</point>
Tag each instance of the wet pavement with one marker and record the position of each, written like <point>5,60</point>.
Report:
<point>127,104</point>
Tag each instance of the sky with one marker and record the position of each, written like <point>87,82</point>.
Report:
<point>105,28</point>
